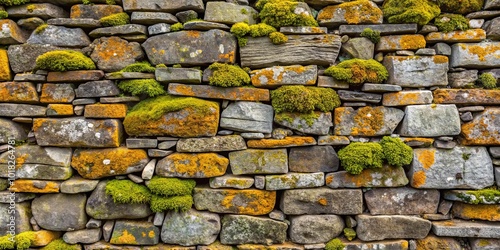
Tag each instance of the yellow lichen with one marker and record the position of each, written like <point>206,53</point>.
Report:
<point>412,42</point>
<point>368,121</point>
<point>426,157</point>
<point>490,212</point>
<point>28,186</point>
<point>419,178</point>
<point>106,110</point>
<point>192,165</point>
<point>286,142</point>
<point>125,238</point>
<point>323,201</point>
<point>256,202</point>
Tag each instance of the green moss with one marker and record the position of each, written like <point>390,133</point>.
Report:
<point>359,155</point>
<point>373,35</point>
<point>175,203</point>
<point>171,186</point>
<point>451,22</point>
<point>410,11</point>
<point>242,41</point>
<point>278,38</point>
<point>59,244</point>
<point>115,19</point>
<point>176,27</point>
<point>86,2</point>
<point>24,240</point>
<point>280,13</point>
<point>6,242</point>
<point>149,87</point>
<point>127,191</point>
<point>396,152</point>
<point>30,8</point>
<point>465,156</point>
<point>261,29</point>
<point>142,67</point>
<point>225,75</point>
<point>13,2</point>
<point>64,60</point>
<point>491,195</point>
<point>244,11</point>
<point>358,71</point>
<point>460,6</point>
<point>4,184</point>
<point>303,99</point>
<point>349,233</point>
<point>110,2</point>
<point>309,118</point>
<point>3,14</point>
<point>488,81</point>
<point>334,244</point>
<point>240,29</point>
<point>41,28</point>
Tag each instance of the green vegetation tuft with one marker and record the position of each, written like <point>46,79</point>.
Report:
<point>334,244</point>
<point>396,152</point>
<point>115,19</point>
<point>86,2</point>
<point>64,60</point>
<point>278,38</point>
<point>127,191</point>
<point>240,29</point>
<point>175,203</point>
<point>460,6</point>
<point>171,186</point>
<point>261,29</point>
<point>3,14</point>
<point>410,11</point>
<point>59,244</point>
<point>488,81</point>
<point>349,233</point>
<point>226,75</point>
<point>149,87</point>
<point>491,195</point>
<point>303,99</point>
<point>13,2</point>
<point>358,71</point>
<point>142,67</point>
<point>359,155</point>
<point>41,28</point>
<point>176,27</point>
<point>451,22</point>
<point>280,13</point>
<point>24,240</point>
<point>6,242</point>
<point>373,35</point>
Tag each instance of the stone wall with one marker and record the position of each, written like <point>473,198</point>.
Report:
<point>264,179</point>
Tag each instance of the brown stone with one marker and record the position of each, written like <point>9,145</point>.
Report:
<point>233,93</point>
<point>291,141</point>
<point>75,76</point>
<point>404,98</point>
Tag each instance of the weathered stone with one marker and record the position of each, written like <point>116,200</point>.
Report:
<point>492,4</point>
<point>6,196</point>
<point>295,180</point>
<point>289,141</point>
<point>333,140</point>
<point>367,121</point>
<point>204,165</point>
<point>417,71</point>
<point>475,55</point>
<point>229,13</point>
<point>97,89</point>
<point>396,226</point>
<point>462,79</point>
<point>483,129</point>
<point>324,228</point>
<point>442,49</point>
<point>11,33</point>
<point>190,228</point>
<point>178,75</point>
<point>21,220</point>
<point>387,176</point>
<point>359,47</point>
<point>10,130</point>
<point>248,117</point>
<point>75,76</point>
<point>121,30</point>
<point>86,236</point>
<point>322,201</point>
<point>484,244</point>
<point>158,29</point>
<point>467,96</point>
<point>42,10</point>
<point>303,30</point>
<point>18,92</point>
<point>460,167</point>
<point>84,23</point>
<point>259,161</point>
<point>329,82</point>
<point>354,96</point>
<point>492,30</point>
<point>94,11</point>
<point>167,144</point>
<point>59,110</point>
<point>35,186</point>
<point>400,42</point>
<point>313,159</point>
<point>405,98</point>
<point>205,26</point>
<point>195,49</point>
<point>402,201</point>
<point>163,6</point>
<point>301,49</point>
<point>247,201</point>
<point>284,75</point>
<point>487,212</point>
<point>458,36</point>
<point>128,232</point>
<point>384,29</point>
<point>318,125</point>
<point>84,101</point>
<point>231,93</point>
<point>151,18</point>
<point>243,229</point>
<point>44,237</point>
<point>350,13</point>
<point>5,72</point>
<point>60,36</point>
<point>57,93</point>
<point>78,185</point>
<point>102,207</point>
<point>105,111</point>
<point>430,120</point>
<point>461,228</point>
<point>124,53</point>
<point>231,181</point>
<point>60,212</point>
<point>212,144</point>
<point>26,55</point>
<point>98,163</point>
<point>426,52</point>
<point>433,242</point>
<point>141,143</point>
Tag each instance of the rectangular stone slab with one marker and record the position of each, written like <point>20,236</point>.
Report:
<point>475,55</point>
<point>385,29</point>
<point>467,96</point>
<point>460,228</point>
<point>247,201</point>
<point>394,227</point>
<point>417,71</point>
<point>322,201</point>
<point>233,94</point>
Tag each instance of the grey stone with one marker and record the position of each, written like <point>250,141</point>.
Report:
<point>402,201</point>
<point>234,201</point>
<point>41,10</point>
<point>57,93</point>
<point>259,161</point>
<point>444,144</point>
<point>445,206</point>
<point>26,55</point>
<point>141,143</point>
<point>415,72</point>
<point>277,215</point>
<point>466,196</point>
<point>333,16</point>
<point>143,233</point>
<point>313,159</point>
<point>149,169</point>
<point>294,180</point>
<point>159,28</point>
<point>333,140</point>
<point>10,130</point>
<point>382,88</point>
<point>301,49</point>
<point>151,18</point>
<point>303,30</point>
<point>483,14</point>
<point>231,181</point>
<point>123,99</point>
<point>243,229</point>
<point>84,23</point>
<point>370,121</point>
<point>121,30</point>
<point>84,101</point>
<point>178,75</point>
<point>460,167</point>
<point>190,228</point>
<point>322,200</point>
<point>384,29</point>
<point>60,36</point>
<point>328,81</point>
<point>11,33</point>
<point>159,219</point>
<point>125,53</point>
<point>495,152</point>
<point>491,4</point>
<point>426,52</point>
<point>353,96</point>
<point>324,228</point>
<point>385,244</point>
<point>187,15</point>
<point>30,23</point>
<point>107,229</point>
<point>404,98</point>
<point>163,6</point>
<point>466,55</point>
<point>396,226</point>
<point>442,49</point>
<point>97,89</point>
<point>359,47</point>
<point>192,51</point>
<point>94,11</point>
<point>60,212</point>
<point>78,185</point>
<point>480,131</point>
<point>92,223</point>
<point>484,244</point>
<point>229,13</point>
<point>430,120</point>
<point>386,177</point>
<point>260,181</point>
<point>318,125</point>
<point>128,75</point>
<point>492,30</point>
<point>461,228</point>
<point>428,28</point>
<point>28,77</point>
<point>405,53</point>
<point>212,144</point>
<point>205,26</point>
<point>86,236</point>
<point>21,220</point>
<point>158,153</point>
<point>7,197</point>
<point>284,75</point>
<point>462,79</point>
<point>167,144</point>
<point>252,135</point>
<point>248,117</point>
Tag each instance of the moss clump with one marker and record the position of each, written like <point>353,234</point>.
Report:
<point>13,2</point>
<point>225,75</point>
<point>349,233</point>
<point>115,19</point>
<point>41,28</point>
<point>373,35</point>
<point>142,67</point>
<point>174,203</point>
<point>460,6</point>
<point>240,29</point>
<point>176,27</point>
<point>491,195</point>
<point>358,156</point>
<point>451,22</point>
<point>3,14</point>
<point>59,244</point>
<point>279,13</point>
<point>358,71</point>
<point>396,152</point>
<point>149,87</point>
<point>24,240</point>
<point>334,244</point>
<point>127,191</point>
<point>410,11</point>
<point>304,99</point>
<point>278,38</point>
<point>86,2</point>
<point>488,81</point>
<point>171,186</point>
<point>64,60</point>
<point>261,29</point>
<point>6,242</point>
<point>30,8</point>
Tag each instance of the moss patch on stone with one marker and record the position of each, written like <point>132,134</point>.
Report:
<point>477,196</point>
<point>175,203</point>
<point>41,28</point>
<point>240,29</point>
<point>115,19</point>
<point>13,2</point>
<point>358,156</point>
<point>171,186</point>
<point>24,240</point>
<point>226,75</point>
<point>304,99</point>
<point>334,244</point>
<point>278,38</point>
<point>261,29</point>
<point>64,60</point>
<point>141,67</point>
<point>6,242</point>
<point>349,233</point>
<point>149,87</point>
<point>280,13</point>
<point>460,6</point>
<point>176,27</point>
<point>451,22</point>
<point>410,11</point>
<point>3,14</point>
<point>488,81</point>
<point>358,71</point>
<point>373,35</point>
<point>396,152</point>
<point>127,191</point>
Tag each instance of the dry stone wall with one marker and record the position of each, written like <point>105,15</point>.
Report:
<point>89,161</point>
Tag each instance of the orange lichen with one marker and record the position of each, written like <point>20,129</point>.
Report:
<point>193,34</point>
<point>227,57</point>
<point>368,121</point>
<point>440,59</point>
<point>419,178</point>
<point>355,12</point>
<point>61,109</point>
<point>412,42</point>
<point>106,110</point>
<point>125,238</point>
<point>466,96</point>
<point>151,234</point>
<point>50,94</point>
<point>113,48</point>
<point>291,141</point>
<point>197,165</point>
<point>479,132</point>
<point>249,201</point>
<point>482,51</point>
<point>5,73</point>
<point>490,212</point>
<point>404,245</point>
<point>274,76</point>
<point>329,179</point>
<point>426,157</point>
<point>402,98</point>
<point>31,186</point>
<point>323,201</point>
<point>23,92</point>
<point>233,93</point>
<point>44,237</point>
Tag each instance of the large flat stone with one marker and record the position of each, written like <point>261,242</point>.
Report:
<point>289,141</point>
<point>471,197</point>
<point>417,71</point>
<point>430,120</point>
<point>313,159</point>
<point>10,33</point>
<point>166,6</point>
<point>85,236</point>
<point>475,55</point>
<point>94,11</point>
<point>97,89</point>
<point>178,75</point>
<point>124,53</point>
<point>404,98</point>
<point>319,124</point>
<point>366,121</point>
<point>26,54</point>
<point>395,227</point>
<point>259,161</point>
<point>120,30</point>
<point>402,201</point>
<point>467,96</point>
<point>486,212</point>
<point>295,180</point>
<point>60,212</point>
<point>129,232</point>
<point>387,176</point>
<point>300,49</point>
<point>10,130</point>
<point>458,36</point>
<point>352,13</point>
<point>484,129</point>
<point>243,229</point>
<point>322,201</point>
<point>229,13</point>
<point>233,201</point>
<point>324,228</point>
<point>204,165</point>
<point>41,10</point>
<point>21,220</point>
<point>248,117</point>
<point>60,36</point>
<point>190,228</point>
<point>284,75</point>
<point>211,144</point>
<point>460,167</point>
<point>400,42</point>
<point>231,93</point>
<point>384,29</point>
<point>462,228</point>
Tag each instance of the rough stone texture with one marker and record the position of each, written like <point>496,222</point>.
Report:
<point>355,13</point>
<point>313,159</point>
<point>18,92</point>
<point>242,229</point>
<point>60,212</point>
<point>467,96</point>
<point>229,13</point>
<point>75,76</point>
<point>483,129</point>
<point>466,36</point>
<point>355,96</point>
<point>402,201</point>
<point>166,6</point>
<point>35,186</point>
<point>60,36</point>
<point>433,242</point>
<point>95,11</point>
<point>466,196</point>
<point>475,55</point>
<point>387,176</point>
<point>359,47</point>
<point>42,10</point>
<point>128,232</point>
<point>231,181</point>
<point>367,121</point>
<point>10,130</point>
<point>400,42</point>
<point>202,165</point>
<point>5,72</point>
<point>87,236</point>
<point>460,167</point>
<point>75,23</point>
<point>190,228</point>
<point>212,144</point>
<point>78,185</point>
<point>248,117</point>
<point>487,212</point>
<point>405,98</point>
<point>97,89</point>
<point>11,33</point>
<point>384,29</point>
<point>318,125</point>
<point>178,75</point>
<point>232,93</point>
<point>430,120</point>
<point>462,79</point>
<point>322,201</point>
<point>124,53</point>
<point>484,244</point>
<point>284,75</point>
<point>152,18</point>
<point>22,222</point>
<point>26,55</point>
<point>301,49</point>
<point>120,30</point>
<point>294,180</point>
<point>396,226</point>
<point>324,228</point>
<point>259,161</point>
<point>196,49</point>
<point>417,71</point>
<point>247,201</point>
<point>461,228</point>
<point>492,30</point>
